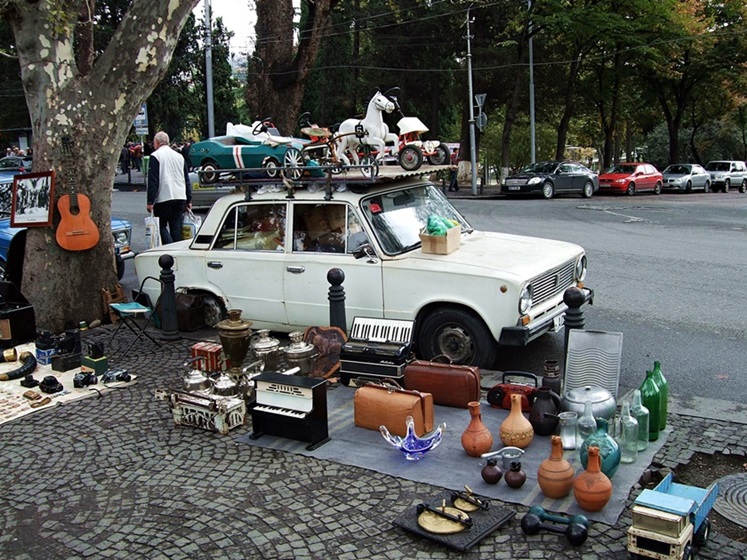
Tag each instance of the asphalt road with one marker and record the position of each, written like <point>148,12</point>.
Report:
<point>668,272</point>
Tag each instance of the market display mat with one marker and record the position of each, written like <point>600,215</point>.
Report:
<point>484,522</point>
<point>13,403</point>
<point>448,466</point>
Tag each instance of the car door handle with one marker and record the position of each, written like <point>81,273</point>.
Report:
<point>215,264</point>
<point>296,269</point>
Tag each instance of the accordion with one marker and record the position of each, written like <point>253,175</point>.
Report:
<point>376,349</point>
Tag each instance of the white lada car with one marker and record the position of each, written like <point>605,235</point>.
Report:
<point>268,254</point>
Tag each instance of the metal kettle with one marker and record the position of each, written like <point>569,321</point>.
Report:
<point>195,379</point>
<point>265,348</point>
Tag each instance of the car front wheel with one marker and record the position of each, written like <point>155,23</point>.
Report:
<point>271,167</point>
<point>459,335</point>
<point>630,191</point>
<point>209,172</point>
<point>411,158</point>
<point>548,190</point>
<point>588,190</point>
<point>727,186</point>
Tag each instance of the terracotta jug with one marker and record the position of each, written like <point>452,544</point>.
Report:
<point>592,489</point>
<point>516,429</point>
<point>544,413</point>
<point>555,474</point>
<point>476,439</point>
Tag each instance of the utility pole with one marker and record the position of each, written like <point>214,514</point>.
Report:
<point>532,131</point>
<point>209,69</point>
<point>473,151</point>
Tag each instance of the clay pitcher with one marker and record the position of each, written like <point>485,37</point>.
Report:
<point>555,474</point>
<point>516,429</point>
<point>476,439</point>
<point>592,489</point>
<point>544,413</point>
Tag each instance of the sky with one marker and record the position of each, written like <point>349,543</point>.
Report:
<point>237,17</point>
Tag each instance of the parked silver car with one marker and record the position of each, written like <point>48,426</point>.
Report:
<point>727,174</point>
<point>686,177</point>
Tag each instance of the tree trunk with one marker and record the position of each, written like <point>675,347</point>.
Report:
<point>511,111</point>
<point>95,110</point>
<point>282,70</point>
<point>570,106</point>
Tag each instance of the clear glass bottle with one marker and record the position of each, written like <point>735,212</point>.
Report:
<point>641,414</point>
<point>663,385</point>
<point>587,424</point>
<point>651,399</point>
<point>628,435</point>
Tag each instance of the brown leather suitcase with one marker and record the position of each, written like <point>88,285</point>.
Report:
<point>387,405</point>
<point>450,384</point>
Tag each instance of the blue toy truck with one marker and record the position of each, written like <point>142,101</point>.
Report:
<point>670,520</point>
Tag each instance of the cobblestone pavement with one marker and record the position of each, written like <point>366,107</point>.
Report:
<point>112,477</point>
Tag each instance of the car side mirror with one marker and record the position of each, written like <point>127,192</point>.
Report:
<point>365,251</point>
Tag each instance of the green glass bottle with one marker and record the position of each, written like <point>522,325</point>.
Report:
<point>651,397</point>
<point>663,385</point>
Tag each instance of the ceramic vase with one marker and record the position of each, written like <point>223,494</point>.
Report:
<point>555,474</point>
<point>516,430</point>
<point>609,450</point>
<point>476,439</point>
<point>592,488</point>
<point>491,473</point>
<point>515,478</point>
<point>544,413</point>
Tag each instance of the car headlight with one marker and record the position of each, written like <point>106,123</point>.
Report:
<point>621,180</point>
<point>121,238</point>
<point>525,299</point>
<point>533,181</point>
<point>581,268</point>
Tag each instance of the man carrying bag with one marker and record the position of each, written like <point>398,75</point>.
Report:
<point>169,188</point>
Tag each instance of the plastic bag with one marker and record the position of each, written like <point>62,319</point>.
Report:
<point>437,225</point>
<point>190,224</point>
<point>152,232</point>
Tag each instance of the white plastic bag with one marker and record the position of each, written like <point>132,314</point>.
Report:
<point>190,224</point>
<point>152,231</point>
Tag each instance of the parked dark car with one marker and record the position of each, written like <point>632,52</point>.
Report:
<point>550,178</point>
<point>121,230</point>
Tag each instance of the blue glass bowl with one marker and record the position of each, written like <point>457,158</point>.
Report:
<point>411,445</point>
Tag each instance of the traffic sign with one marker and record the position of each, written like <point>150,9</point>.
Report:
<point>481,121</point>
<point>480,99</point>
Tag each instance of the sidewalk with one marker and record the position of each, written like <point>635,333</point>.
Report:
<point>112,477</point>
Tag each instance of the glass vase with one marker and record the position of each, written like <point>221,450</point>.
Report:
<point>663,385</point>
<point>628,435</point>
<point>641,414</point>
<point>651,399</point>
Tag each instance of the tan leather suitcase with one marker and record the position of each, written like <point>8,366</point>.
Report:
<point>387,405</point>
<point>450,384</point>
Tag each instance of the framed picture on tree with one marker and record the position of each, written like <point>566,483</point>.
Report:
<point>33,200</point>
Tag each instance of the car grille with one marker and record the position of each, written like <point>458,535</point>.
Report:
<point>515,182</point>
<point>553,283</point>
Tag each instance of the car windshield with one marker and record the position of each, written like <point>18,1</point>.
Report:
<point>398,217</point>
<point>627,169</point>
<point>677,170</point>
<point>718,166</point>
<point>541,167</point>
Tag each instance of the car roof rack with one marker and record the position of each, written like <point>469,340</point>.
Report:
<point>250,180</point>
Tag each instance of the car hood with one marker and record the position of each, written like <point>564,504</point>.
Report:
<point>613,176</point>
<point>487,253</point>
<point>528,175</point>
<point>119,223</point>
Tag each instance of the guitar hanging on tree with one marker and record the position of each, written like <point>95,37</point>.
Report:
<point>76,230</point>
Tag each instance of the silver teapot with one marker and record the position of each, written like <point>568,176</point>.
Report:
<point>603,404</point>
<point>265,347</point>
<point>224,386</point>
<point>195,379</point>
<point>300,353</point>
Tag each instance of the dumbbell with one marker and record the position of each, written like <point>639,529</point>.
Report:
<point>544,515</point>
<point>576,530</point>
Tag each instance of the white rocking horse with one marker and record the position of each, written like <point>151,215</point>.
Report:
<point>375,130</point>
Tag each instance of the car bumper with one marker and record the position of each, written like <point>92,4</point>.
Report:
<point>521,189</point>
<point>550,321</point>
<point>613,188</point>
<point>126,255</point>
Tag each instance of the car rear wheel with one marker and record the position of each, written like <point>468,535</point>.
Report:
<point>459,335</point>
<point>707,187</point>
<point>209,172</point>
<point>293,159</point>
<point>213,309</point>
<point>743,186</point>
<point>630,191</point>
<point>588,190</point>
<point>657,188</point>
<point>440,156</point>
<point>410,158</point>
<point>548,190</point>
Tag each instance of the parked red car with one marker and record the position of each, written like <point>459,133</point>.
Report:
<point>630,178</point>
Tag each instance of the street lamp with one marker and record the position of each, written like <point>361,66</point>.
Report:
<point>532,134</point>
<point>473,152</point>
<point>209,69</point>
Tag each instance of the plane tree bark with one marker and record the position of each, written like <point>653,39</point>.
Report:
<point>92,98</point>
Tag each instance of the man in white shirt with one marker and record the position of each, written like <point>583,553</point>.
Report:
<point>169,188</point>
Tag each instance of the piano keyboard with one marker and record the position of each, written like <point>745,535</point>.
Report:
<point>381,330</point>
<point>279,410</point>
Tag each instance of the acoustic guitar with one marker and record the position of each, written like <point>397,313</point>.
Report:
<point>76,230</point>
